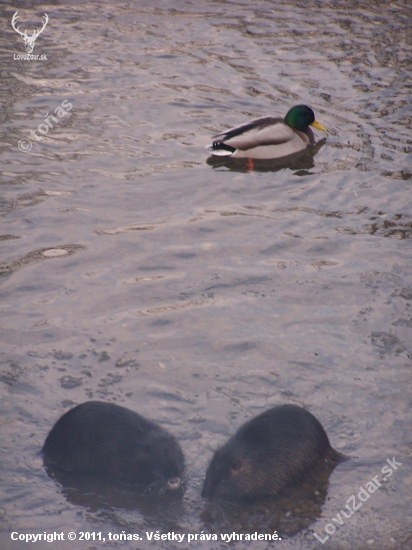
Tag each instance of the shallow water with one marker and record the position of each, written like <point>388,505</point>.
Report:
<point>134,272</point>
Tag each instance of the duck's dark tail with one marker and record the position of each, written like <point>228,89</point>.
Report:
<point>220,148</point>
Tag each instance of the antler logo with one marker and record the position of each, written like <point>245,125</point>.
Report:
<point>29,40</point>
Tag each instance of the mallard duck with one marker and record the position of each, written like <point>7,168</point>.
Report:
<point>268,137</point>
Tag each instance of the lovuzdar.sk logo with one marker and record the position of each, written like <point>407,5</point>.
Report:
<point>29,40</point>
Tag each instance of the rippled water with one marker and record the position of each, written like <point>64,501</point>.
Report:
<point>199,296</point>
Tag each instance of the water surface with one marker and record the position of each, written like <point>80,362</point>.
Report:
<point>134,272</point>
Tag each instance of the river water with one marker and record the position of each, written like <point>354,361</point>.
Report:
<point>135,272</point>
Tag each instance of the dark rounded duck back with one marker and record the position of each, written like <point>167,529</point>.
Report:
<point>115,445</point>
<point>268,452</point>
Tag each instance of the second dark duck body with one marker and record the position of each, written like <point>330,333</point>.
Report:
<point>267,453</point>
<point>268,137</point>
<point>115,445</point>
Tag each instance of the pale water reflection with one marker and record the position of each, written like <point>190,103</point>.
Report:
<point>197,295</point>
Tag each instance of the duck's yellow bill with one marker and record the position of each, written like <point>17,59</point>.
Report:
<point>318,126</point>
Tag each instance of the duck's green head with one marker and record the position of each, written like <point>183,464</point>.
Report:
<point>300,117</point>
